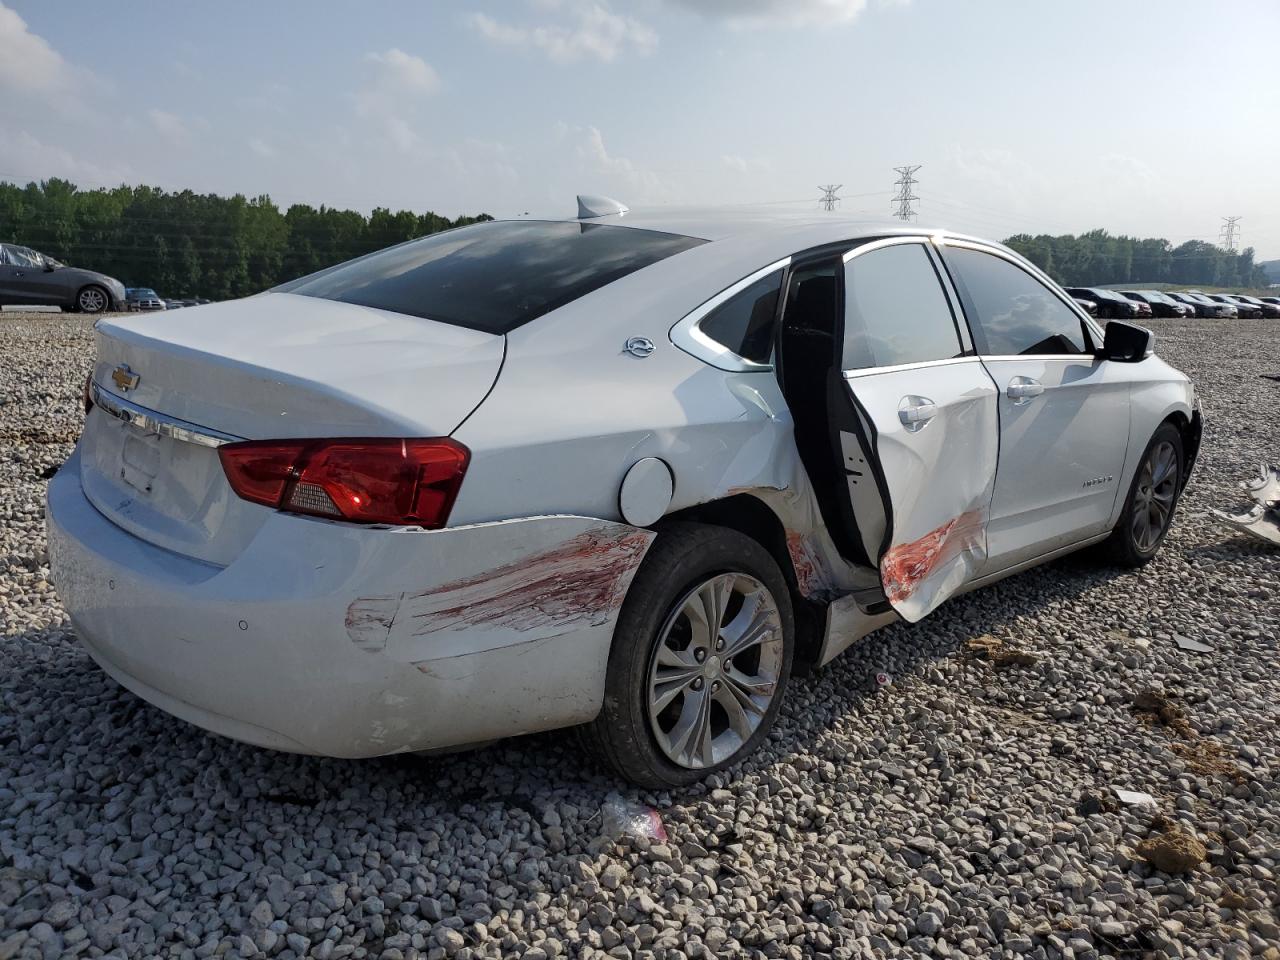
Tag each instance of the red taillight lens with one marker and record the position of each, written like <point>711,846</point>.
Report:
<point>374,480</point>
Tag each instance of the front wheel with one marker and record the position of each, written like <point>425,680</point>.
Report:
<point>92,300</point>
<point>1153,496</point>
<point>700,658</point>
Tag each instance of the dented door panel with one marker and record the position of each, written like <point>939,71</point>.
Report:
<point>940,474</point>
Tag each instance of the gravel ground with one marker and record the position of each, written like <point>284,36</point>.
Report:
<point>965,809</point>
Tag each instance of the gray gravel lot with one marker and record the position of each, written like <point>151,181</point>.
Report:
<point>966,809</point>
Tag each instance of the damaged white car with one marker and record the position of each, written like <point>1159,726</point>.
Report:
<point>622,471</point>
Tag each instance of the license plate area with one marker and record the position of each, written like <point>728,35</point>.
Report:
<point>140,459</point>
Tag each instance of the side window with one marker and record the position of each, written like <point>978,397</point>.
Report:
<point>1015,313</point>
<point>744,322</point>
<point>22,257</point>
<point>4,254</point>
<point>895,310</point>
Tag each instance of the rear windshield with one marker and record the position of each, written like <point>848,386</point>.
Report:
<point>492,276</point>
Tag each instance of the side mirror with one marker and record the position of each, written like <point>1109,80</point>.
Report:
<point>49,267</point>
<point>1127,342</point>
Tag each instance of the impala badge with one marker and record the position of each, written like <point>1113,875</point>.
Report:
<point>124,378</point>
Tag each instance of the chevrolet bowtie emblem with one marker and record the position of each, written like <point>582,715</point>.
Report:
<point>124,378</point>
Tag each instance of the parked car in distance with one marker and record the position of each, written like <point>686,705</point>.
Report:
<point>143,298</point>
<point>1111,306</point>
<point>397,505</point>
<point>1161,306</point>
<point>1268,309</point>
<point>174,304</point>
<point>1088,306</point>
<point>1275,300</point>
<point>29,278</point>
<point>1204,307</point>
<point>1246,310</point>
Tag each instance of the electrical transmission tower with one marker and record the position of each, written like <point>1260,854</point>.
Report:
<point>1230,233</point>
<point>906,180</point>
<point>829,198</point>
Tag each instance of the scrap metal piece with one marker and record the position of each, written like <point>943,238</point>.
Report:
<point>1266,489</point>
<point>1262,519</point>
<point>1195,646</point>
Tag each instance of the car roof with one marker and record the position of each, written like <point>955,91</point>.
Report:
<point>751,236</point>
<point>760,220</point>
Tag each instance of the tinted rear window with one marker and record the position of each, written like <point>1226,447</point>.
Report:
<point>492,276</point>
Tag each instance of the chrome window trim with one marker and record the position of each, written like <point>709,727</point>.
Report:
<point>1074,357</point>
<point>688,336</point>
<point>157,423</point>
<point>854,374</point>
<point>1026,266</point>
<point>881,244</point>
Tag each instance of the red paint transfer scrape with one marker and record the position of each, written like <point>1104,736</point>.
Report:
<point>810,577</point>
<point>580,582</point>
<point>907,565</point>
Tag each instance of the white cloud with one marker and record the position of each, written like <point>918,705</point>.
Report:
<point>28,65</point>
<point>28,156</point>
<point>585,30</point>
<point>754,13</point>
<point>262,148</point>
<point>399,81</point>
<point>641,185</point>
<point>404,73</point>
<point>744,165</point>
<point>169,125</point>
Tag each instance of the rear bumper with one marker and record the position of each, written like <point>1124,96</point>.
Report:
<point>352,641</point>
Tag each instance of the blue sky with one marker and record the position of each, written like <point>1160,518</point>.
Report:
<point>1152,119</point>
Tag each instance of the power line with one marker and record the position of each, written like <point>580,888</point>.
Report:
<point>906,180</point>
<point>1230,233</point>
<point>828,200</point>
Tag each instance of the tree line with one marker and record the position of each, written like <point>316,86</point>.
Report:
<point>203,245</point>
<point>1097,257</point>
<point>186,244</point>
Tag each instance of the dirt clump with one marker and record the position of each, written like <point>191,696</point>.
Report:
<point>1155,706</point>
<point>1176,850</point>
<point>1210,759</point>
<point>1001,657</point>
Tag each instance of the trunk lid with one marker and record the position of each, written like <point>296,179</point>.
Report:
<point>272,366</point>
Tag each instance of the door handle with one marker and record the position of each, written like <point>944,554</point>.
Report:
<point>915,412</point>
<point>1023,389</point>
<point>18,273</point>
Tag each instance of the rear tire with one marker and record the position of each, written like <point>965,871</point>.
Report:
<point>92,299</point>
<point>1153,498</point>
<point>683,701</point>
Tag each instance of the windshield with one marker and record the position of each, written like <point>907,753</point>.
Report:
<point>492,276</point>
<point>142,292</point>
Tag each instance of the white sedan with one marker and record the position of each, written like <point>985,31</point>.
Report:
<point>619,471</point>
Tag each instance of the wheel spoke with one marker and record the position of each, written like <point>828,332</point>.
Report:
<point>705,610</point>
<point>689,737</point>
<point>735,709</point>
<point>749,628</point>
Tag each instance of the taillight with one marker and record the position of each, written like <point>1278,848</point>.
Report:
<point>373,480</point>
<point>86,396</point>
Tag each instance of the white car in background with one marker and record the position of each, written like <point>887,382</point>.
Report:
<point>618,471</point>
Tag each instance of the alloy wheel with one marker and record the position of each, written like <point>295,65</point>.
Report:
<point>715,670</point>
<point>92,300</point>
<point>1154,497</point>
